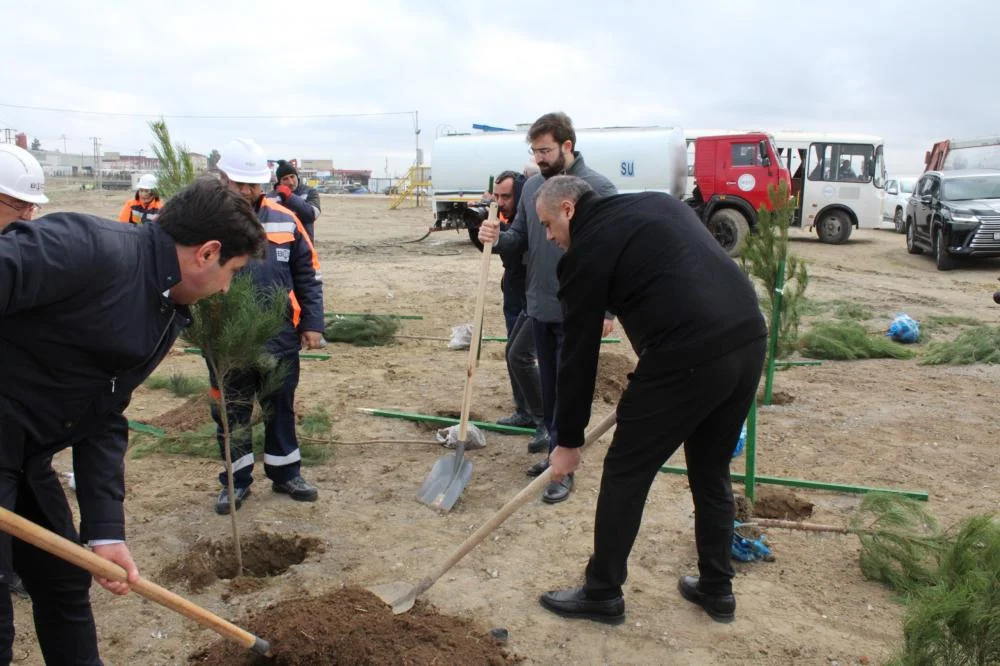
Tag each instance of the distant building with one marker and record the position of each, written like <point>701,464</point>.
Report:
<point>352,176</point>
<point>200,161</point>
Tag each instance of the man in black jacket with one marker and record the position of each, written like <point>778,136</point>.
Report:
<point>88,309</point>
<point>692,317</point>
<point>297,196</point>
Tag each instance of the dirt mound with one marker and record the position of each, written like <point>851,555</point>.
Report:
<point>186,417</point>
<point>264,554</point>
<point>612,376</point>
<point>778,398</point>
<point>353,626</point>
<point>783,504</point>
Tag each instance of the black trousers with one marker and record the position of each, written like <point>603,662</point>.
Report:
<point>525,384</point>
<point>702,407</point>
<point>60,592</point>
<point>548,343</point>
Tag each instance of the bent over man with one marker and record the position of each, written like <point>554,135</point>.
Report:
<point>88,309</point>
<point>693,319</point>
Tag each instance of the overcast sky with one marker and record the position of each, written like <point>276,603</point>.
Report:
<point>913,72</point>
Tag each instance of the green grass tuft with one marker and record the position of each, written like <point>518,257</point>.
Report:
<point>182,386</point>
<point>852,311</point>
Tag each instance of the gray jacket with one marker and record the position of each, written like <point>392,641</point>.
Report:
<point>526,234</point>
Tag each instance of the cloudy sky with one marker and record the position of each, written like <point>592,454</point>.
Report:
<point>342,81</point>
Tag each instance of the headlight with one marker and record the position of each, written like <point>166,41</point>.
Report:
<point>964,218</point>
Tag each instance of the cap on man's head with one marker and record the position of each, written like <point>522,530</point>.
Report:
<point>285,168</point>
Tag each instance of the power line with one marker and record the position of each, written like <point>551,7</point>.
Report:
<point>209,117</point>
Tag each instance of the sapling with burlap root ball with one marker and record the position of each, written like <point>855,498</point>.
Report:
<point>232,330</point>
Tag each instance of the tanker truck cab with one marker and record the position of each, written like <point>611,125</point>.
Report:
<point>732,174</point>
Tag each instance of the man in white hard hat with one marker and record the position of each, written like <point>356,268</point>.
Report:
<point>290,263</point>
<point>22,185</point>
<point>146,204</point>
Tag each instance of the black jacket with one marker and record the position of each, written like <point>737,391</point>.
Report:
<point>84,320</point>
<point>649,259</point>
<point>304,202</point>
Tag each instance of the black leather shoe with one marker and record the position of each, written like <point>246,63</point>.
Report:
<point>517,420</point>
<point>538,468</point>
<point>539,441</point>
<point>222,504</point>
<point>558,491</point>
<point>297,488</point>
<point>574,603</point>
<point>720,607</point>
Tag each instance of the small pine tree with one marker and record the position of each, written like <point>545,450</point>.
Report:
<point>232,329</point>
<point>761,257</point>
<point>176,168</point>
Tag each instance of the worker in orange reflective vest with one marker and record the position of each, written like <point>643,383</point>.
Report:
<point>146,204</point>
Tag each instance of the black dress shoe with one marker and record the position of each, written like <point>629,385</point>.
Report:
<point>538,468</point>
<point>558,491</point>
<point>222,504</point>
<point>720,607</point>
<point>574,603</point>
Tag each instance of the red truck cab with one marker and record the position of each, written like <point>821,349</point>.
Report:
<point>732,174</point>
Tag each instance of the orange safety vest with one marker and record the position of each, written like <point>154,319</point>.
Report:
<point>135,213</point>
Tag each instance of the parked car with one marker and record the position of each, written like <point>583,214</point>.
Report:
<point>897,194</point>
<point>955,214</point>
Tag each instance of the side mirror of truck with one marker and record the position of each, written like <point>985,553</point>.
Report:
<point>765,159</point>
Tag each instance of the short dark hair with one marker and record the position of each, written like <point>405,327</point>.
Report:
<point>558,124</point>
<point>504,175</point>
<point>207,210</point>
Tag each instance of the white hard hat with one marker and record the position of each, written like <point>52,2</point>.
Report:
<point>243,161</point>
<point>147,182</point>
<point>21,175</point>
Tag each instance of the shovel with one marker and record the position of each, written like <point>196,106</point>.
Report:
<point>64,549</point>
<point>401,596</point>
<point>451,473</point>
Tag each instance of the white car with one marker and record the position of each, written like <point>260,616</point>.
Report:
<point>897,193</point>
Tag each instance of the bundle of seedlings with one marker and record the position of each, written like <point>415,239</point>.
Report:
<point>365,331</point>
<point>847,341</point>
<point>980,344</point>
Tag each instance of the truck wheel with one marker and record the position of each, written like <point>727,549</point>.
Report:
<point>730,229</point>
<point>897,221</point>
<point>833,227</point>
<point>944,261</point>
<point>473,230</point>
<point>911,241</point>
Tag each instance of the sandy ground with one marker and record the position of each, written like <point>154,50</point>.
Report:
<point>874,423</point>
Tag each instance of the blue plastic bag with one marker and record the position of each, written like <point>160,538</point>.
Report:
<point>742,441</point>
<point>904,329</point>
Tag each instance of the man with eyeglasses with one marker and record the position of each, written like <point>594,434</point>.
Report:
<point>553,145</point>
<point>22,185</point>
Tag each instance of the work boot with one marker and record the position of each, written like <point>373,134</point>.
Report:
<point>517,420</point>
<point>539,441</point>
<point>297,488</point>
<point>222,504</point>
<point>538,468</point>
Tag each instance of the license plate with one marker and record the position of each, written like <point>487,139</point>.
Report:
<point>996,235</point>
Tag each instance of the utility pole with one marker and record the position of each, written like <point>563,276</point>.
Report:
<point>417,159</point>
<point>8,135</point>
<point>97,162</point>
<point>63,137</point>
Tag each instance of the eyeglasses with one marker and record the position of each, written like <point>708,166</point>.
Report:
<point>23,208</point>
<point>544,152</point>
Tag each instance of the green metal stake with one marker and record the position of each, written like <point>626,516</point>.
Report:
<point>146,428</point>
<point>445,420</point>
<point>750,476</point>
<point>311,355</point>
<point>370,314</point>
<point>772,346</point>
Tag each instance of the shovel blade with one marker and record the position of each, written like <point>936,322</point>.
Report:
<point>447,480</point>
<point>399,595</point>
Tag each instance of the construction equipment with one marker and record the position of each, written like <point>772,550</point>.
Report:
<point>401,596</point>
<point>63,548</point>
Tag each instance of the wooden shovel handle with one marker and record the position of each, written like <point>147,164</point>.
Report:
<point>63,548</point>
<point>526,494</point>
<point>477,330</point>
